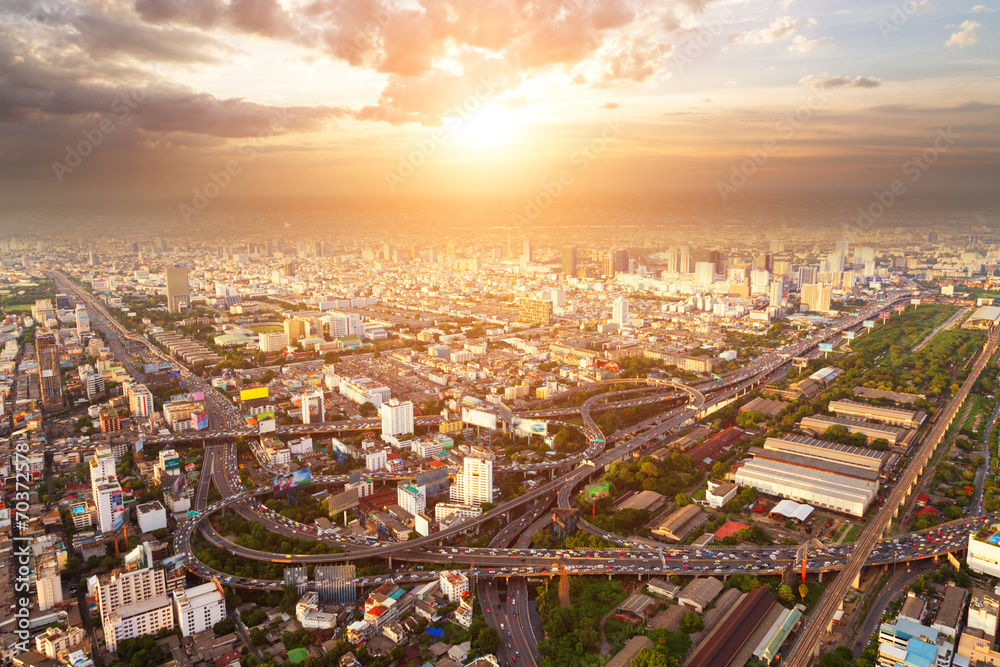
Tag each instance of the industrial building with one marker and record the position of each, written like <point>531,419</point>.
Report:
<point>735,639</point>
<point>893,416</point>
<point>681,523</point>
<point>805,470</point>
<point>871,430</point>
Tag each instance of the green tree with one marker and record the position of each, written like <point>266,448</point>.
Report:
<point>785,593</point>
<point>691,623</point>
<point>649,658</point>
<point>682,499</point>
<point>224,627</point>
<point>488,640</point>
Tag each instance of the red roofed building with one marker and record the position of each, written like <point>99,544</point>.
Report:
<point>922,499</point>
<point>708,451</point>
<point>928,510</point>
<point>728,529</point>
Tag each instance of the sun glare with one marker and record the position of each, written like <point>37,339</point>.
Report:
<point>485,128</point>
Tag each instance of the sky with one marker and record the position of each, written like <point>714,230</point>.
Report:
<point>197,102</point>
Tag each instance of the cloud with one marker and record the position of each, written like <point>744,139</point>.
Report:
<point>981,9</point>
<point>801,44</point>
<point>779,28</point>
<point>825,81</point>
<point>965,36</point>
<point>610,105</point>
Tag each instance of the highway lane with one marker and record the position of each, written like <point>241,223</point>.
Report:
<point>809,636</point>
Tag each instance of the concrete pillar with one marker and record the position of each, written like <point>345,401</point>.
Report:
<point>821,576</point>
<point>856,584</point>
<point>390,563</point>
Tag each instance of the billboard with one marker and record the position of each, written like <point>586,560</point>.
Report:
<point>869,323</point>
<point>173,374</point>
<point>196,396</point>
<point>342,501</point>
<point>506,414</point>
<point>150,368</point>
<point>200,421</point>
<point>250,394</point>
<point>267,426</point>
<point>263,416</point>
<point>530,426</point>
<point>479,418</point>
<point>297,478</point>
<point>166,365</point>
<point>597,491</point>
<point>850,335</point>
<point>826,347</point>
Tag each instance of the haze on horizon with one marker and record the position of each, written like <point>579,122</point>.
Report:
<point>124,100</point>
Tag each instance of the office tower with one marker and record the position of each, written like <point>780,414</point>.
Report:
<point>621,261</point>
<point>777,246</point>
<point>807,274</point>
<point>569,260</point>
<point>608,267</point>
<point>293,329</point>
<point>932,237</point>
<point>526,252</point>
<point>759,281</point>
<point>92,258</point>
<point>397,417</point>
<point>534,312</point>
<point>82,320</point>
<point>763,262</point>
<point>619,313</point>
<point>49,371</point>
<point>739,281</point>
<point>684,265</point>
<point>836,261</point>
<point>718,260</point>
<point>842,246</point>
<point>412,498</point>
<point>343,324</point>
<point>48,585</point>
<point>777,293</point>
<point>704,273</point>
<point>474,484</point>
<point>199,608</point>
<point>178,291</point>
<point>288,269</point>
<point>64,302</point>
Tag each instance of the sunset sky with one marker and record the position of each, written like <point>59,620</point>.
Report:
<point>495,97</point>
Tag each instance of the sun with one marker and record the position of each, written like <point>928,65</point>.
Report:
<point>486,128</point>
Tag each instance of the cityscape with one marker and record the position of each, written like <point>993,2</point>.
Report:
<point>499,333</point>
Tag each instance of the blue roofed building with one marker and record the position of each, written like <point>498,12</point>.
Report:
<point>908,644</point>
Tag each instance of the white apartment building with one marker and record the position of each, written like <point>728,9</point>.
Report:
<point>275,341</point>
<point>199,608</point>
<point>54,640</point>
<point>151,516</point>
<point>455,512</point>
<point>983,556</point>
<point>474,485</point>
<point>397,418</point>
<point>140,618</point>
<point>82,320</point>
<point>343,324</point>
<point>48,585</point>
<point>453,584</point>
<point>376,460</point>
<point>412,498</point>
<point>140,400</point>
<point>425,447</point>
<point>311,616</point>
<point>361,391</point>
<point>125,587</point>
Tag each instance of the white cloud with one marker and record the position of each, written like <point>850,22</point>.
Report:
<point>779,28</point>
<point>965,36</point>
<point>981,9</point>
<point>801,44</point>
<point>830,81</point>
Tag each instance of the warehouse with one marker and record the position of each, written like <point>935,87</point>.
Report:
<point>872,430</point>
<point>893,416</point>
<point>829,451</point>
<point>681,523</point>
<point>850,495</point>
<point>817,464</point>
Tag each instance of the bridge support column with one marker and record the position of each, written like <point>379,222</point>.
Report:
<point>390,563</point>
<point>821,576</point>
<point>856,584</point>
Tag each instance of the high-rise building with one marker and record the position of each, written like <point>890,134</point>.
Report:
<point>534,312</point>
<point>131,602</point>
<point>777,293</point>
<point>148,617</point>
<point>526,252</point>
<point>569,260</point>
<point>48,584</point>
<point>178,291</point>
<point>763,262</point>
<point>608,267</point>
<point>621,261</point>
<point>474,484</point>
<point>718,259</point>
<point>293,329</point>
<point>412,498</point>
<point>704,273</point>
<point>199,608</point>
<point>673,260</point>
<point>49,371</point>
<point>816,296</point>
<point>619,312</point>
<point>82,320</point>
<point>275,341</point>
<point>684,266</point>
<point>397,417</point>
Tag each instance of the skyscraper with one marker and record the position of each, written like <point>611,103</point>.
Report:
<point>49,372</point>
<point>621,261</point>
<point>685,261</point>
<point>777,292</point>
<point>608,267</point>
<point>704,273</point>
<point>619,312</point>
<point>569,260</point>
<point>82,320</point>
<point>178,291</point>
